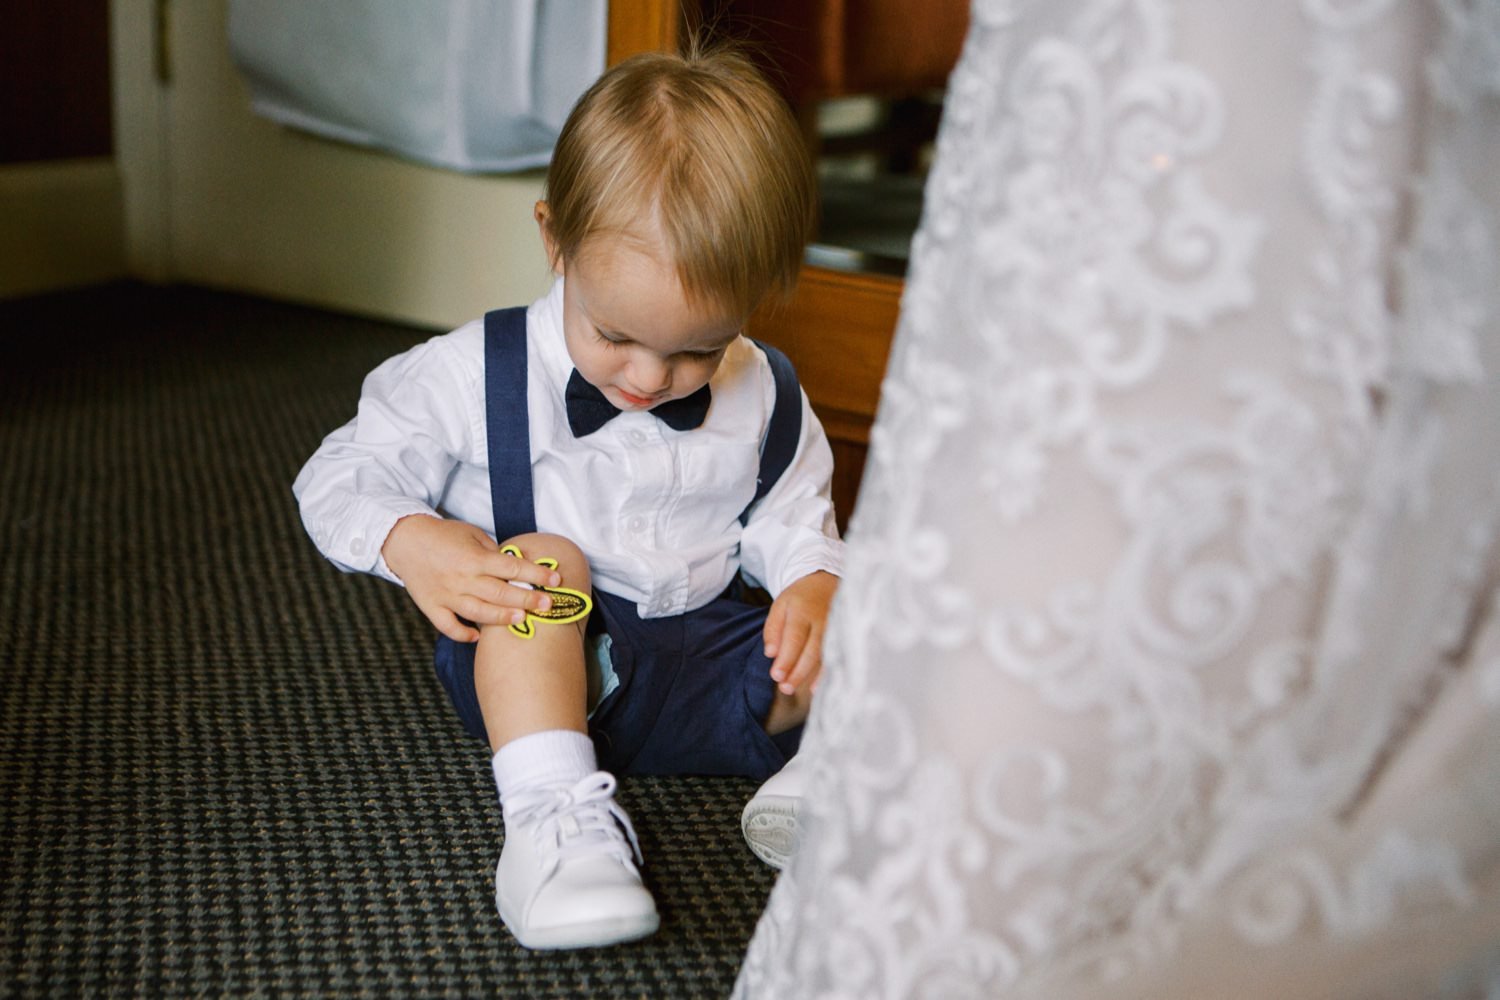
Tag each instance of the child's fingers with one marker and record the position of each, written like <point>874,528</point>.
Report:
<point>771,634</point>
<point>806,669</point>
<point>447,623</point>
<point>485,613</point>
<point>809,663</point>
<point>503,594</point>
<point>789,654</point>
<point>509,567</point>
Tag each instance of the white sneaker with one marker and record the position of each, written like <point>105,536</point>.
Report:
<point>769,822</point>
<point>567,876</point>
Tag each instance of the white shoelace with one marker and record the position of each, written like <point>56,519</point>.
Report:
<point>577,821</point>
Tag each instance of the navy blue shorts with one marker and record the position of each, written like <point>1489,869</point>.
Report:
<point>693,691</point>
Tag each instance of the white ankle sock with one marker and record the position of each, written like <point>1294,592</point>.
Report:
<point>553,757</point>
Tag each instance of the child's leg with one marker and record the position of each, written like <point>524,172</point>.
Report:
<point>770,819</point>
<point>788,711</point>
<point>566,877</point>
<point>538,684</point>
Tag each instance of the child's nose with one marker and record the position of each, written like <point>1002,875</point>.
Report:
<point>652,374</point>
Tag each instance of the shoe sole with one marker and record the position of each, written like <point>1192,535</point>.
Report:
<point>771,829</point>
<point>593,934</point>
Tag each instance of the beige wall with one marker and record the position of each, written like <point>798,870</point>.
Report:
<point>214,195</point>
<point>60,225</point>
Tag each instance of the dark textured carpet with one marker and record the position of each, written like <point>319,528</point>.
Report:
<point>226,768</point>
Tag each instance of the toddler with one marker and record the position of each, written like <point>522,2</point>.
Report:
<point>574,493</point>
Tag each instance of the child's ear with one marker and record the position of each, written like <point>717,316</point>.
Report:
<point>543,217</point>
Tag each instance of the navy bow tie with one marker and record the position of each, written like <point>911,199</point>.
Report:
<point>589,410</point>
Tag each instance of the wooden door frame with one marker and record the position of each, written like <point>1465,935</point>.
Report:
<point>642,26</point>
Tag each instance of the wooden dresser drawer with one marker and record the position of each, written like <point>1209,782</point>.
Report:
<point>837,331</point>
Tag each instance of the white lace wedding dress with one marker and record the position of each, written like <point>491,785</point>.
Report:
<point>1167,663</point>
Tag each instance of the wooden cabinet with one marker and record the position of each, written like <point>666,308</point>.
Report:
<point>837,331</point>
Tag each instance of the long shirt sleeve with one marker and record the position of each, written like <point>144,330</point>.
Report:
<point>792,531</point>
<point>413,429</point>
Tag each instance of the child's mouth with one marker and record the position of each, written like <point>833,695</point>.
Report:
<point>639,401</point>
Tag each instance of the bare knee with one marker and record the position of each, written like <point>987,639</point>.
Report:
<point>539,546</point>
<point>568,560</point>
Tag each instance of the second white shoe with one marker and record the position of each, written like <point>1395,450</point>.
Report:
<point>769,821</point>
<point>567,876</point>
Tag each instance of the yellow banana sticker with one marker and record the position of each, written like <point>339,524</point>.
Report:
<point>567,605</point>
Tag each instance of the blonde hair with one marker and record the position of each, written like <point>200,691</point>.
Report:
<point>703,147</point>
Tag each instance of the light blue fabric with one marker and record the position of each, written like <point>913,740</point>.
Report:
<point>601,669</point>
<point>473,85</point>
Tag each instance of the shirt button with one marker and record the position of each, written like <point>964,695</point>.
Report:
<point>357,546</point>
<point>637,524</point>
<point>639,437</point>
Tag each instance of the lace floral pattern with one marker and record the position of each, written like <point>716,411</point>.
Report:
<point>1167,629</point>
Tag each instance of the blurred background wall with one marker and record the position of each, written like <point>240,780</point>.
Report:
<point>60,198</point>
<point>177,180</point>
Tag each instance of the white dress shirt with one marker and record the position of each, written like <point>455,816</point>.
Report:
<point>655,510</point>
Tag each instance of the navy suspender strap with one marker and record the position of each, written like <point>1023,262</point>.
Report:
<point>784,431</point>
<point>507,422</point>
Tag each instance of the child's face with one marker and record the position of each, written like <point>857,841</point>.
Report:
<point>631,331</point>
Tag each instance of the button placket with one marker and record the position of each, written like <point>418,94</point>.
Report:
<point>650,466</point>
<point>648,500</point>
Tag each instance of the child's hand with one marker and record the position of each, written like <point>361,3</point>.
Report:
<point>454,570</point>
<point>794,631</point>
